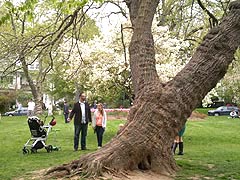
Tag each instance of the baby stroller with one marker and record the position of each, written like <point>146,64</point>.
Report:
<point>39,134</point>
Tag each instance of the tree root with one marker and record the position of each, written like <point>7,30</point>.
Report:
<point>84,170</point>
<point>116,173</point>
<point>132,149</point>
<point>91,166</point>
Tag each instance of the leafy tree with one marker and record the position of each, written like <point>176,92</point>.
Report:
<point>6,101</point>
<point>229,88</point>
<point>32,37</point>
<point>190,20</point>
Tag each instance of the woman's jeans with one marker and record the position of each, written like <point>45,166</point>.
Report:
<point>99,131</point>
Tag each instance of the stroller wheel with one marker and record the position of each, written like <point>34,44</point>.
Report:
<point>55,148</point>
<point>33,150</point>
<point>25,151</point>
<point>49,148</point>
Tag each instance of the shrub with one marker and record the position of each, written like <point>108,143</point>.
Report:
<point>7,100</point>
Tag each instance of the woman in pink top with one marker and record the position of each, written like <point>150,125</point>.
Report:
<point>99,123</point>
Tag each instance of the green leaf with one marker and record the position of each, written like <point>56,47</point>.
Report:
<point>9,4</point>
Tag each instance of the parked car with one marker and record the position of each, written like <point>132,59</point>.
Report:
<point>223,110</point>
<point>23,112</point>
<point>216,104</point>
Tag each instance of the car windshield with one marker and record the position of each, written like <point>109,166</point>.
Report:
<point>221,108</point>
<point>233,108</point>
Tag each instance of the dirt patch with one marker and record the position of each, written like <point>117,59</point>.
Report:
<point>133,175</point>
<point>143,175</point>
<point>197,116</point>
<point>117,117</point>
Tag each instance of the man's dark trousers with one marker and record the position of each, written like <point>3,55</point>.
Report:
<point>66,117</point>
<point>83,129</point>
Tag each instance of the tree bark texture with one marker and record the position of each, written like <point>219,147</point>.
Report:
<point>141,50</point>
<point>160,110</point>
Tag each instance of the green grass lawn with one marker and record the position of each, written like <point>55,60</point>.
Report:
<point>15,132</point>
<point>211,148</point>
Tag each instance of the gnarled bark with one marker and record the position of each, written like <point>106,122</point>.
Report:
<point>160,109</point>
<point>141,50</point>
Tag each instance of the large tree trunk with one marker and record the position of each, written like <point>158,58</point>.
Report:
<point>142,53</point>
<point>36,88</point>
<point>37,94</point>
<point>160,110</point>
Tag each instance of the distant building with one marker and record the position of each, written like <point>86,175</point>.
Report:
<point>17,81</point>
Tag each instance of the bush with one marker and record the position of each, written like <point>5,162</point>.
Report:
<point>7,100</point>
<point>23,97</point>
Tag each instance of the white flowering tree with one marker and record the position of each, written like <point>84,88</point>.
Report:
<point>229,90</point>
<point>105,65</point>
<point>96,67</point>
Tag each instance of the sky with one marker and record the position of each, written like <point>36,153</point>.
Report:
<point>107,19</point>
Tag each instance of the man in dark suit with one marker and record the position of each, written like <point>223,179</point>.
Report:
<point>82,116</point>
<point>65,111</point>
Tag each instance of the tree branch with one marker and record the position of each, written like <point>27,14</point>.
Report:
<point>212,19</point>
